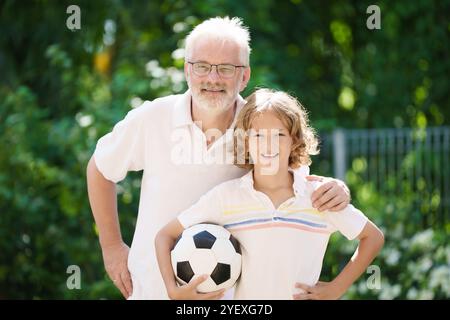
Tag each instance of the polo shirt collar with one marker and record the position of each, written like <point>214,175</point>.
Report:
<point>182,110</point>
<point>299,175</point>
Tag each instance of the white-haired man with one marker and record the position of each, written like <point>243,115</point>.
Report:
<point>179,143</point>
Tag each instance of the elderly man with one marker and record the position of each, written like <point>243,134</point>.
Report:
<point>179,142</point>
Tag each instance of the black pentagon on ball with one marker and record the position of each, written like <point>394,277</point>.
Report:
<point>184,271</point>
<point>221,273</point>
<point>235,244</point>
<point>204,240</point>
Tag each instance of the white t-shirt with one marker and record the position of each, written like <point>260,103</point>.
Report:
<point>280,246</point>
<point>160,138</point>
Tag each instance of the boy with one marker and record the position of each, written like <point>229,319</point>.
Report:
<point>283,238</point>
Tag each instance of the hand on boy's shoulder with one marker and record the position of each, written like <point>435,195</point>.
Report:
<point>328,194</point>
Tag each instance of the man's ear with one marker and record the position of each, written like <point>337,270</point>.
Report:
<point>186,71</point>
<point>245,78</point>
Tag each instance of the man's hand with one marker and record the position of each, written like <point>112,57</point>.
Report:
<point>321,291</point>
<point>115,258</point>
<point>332,195</point>
<point>189,291</point>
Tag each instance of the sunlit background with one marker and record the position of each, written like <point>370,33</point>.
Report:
<point>378,98</point>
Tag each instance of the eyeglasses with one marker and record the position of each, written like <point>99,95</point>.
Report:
<point>202,69</point>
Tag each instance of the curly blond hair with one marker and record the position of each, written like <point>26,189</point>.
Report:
<point>293,116</point>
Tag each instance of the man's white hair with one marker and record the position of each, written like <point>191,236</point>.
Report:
<point>219,28</point>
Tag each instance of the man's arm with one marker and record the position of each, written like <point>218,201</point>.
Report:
<point>103,200</point>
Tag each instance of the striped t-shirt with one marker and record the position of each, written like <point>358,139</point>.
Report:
<point>280,246</point>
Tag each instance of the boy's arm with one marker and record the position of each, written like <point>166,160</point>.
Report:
<point>371,241</point>
<point>164,243</point>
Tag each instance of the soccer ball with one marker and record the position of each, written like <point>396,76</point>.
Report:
<point>207,249</point>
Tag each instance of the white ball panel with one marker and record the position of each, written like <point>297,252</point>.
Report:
<point>207,286</point>
<point>223,250</point>
<point>202,261</point>
<point>183,249</point>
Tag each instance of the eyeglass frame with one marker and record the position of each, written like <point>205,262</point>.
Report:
<point>217,68</point>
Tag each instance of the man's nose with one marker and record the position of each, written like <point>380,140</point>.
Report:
<point>214,74</point>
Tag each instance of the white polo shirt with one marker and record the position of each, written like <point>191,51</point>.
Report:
<point>280,246</point>
<point>160,138</point>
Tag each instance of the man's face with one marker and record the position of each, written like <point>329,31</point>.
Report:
<point>213,92</point>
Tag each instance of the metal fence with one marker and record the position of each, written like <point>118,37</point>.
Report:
<point>395,162</point>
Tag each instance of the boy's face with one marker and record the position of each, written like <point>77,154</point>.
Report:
<point>270,143</point>
<point>213,92</point>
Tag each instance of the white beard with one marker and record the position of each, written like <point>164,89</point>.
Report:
<point>216,104</point>
<point>213,104</point>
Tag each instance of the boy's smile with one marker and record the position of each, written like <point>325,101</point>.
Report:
<point>269,156</point>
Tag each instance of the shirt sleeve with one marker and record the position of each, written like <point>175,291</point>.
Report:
<point>123,149</point>
<point>350,221</point>
<point>208,209</point>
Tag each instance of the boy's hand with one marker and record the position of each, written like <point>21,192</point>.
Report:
<point>332,195</point>
<point>189,291</point>
<point>321,291</point>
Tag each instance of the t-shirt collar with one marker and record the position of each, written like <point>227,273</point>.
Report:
<point>299,184</point>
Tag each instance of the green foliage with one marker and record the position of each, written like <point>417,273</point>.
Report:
<point>60,91</point>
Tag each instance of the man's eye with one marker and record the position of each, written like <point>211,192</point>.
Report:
<point>226,69</point>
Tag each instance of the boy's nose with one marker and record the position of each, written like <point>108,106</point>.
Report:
<point>270,145</point>
<point>273,144</point>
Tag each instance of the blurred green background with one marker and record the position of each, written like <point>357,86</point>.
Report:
<point>61,90</point>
